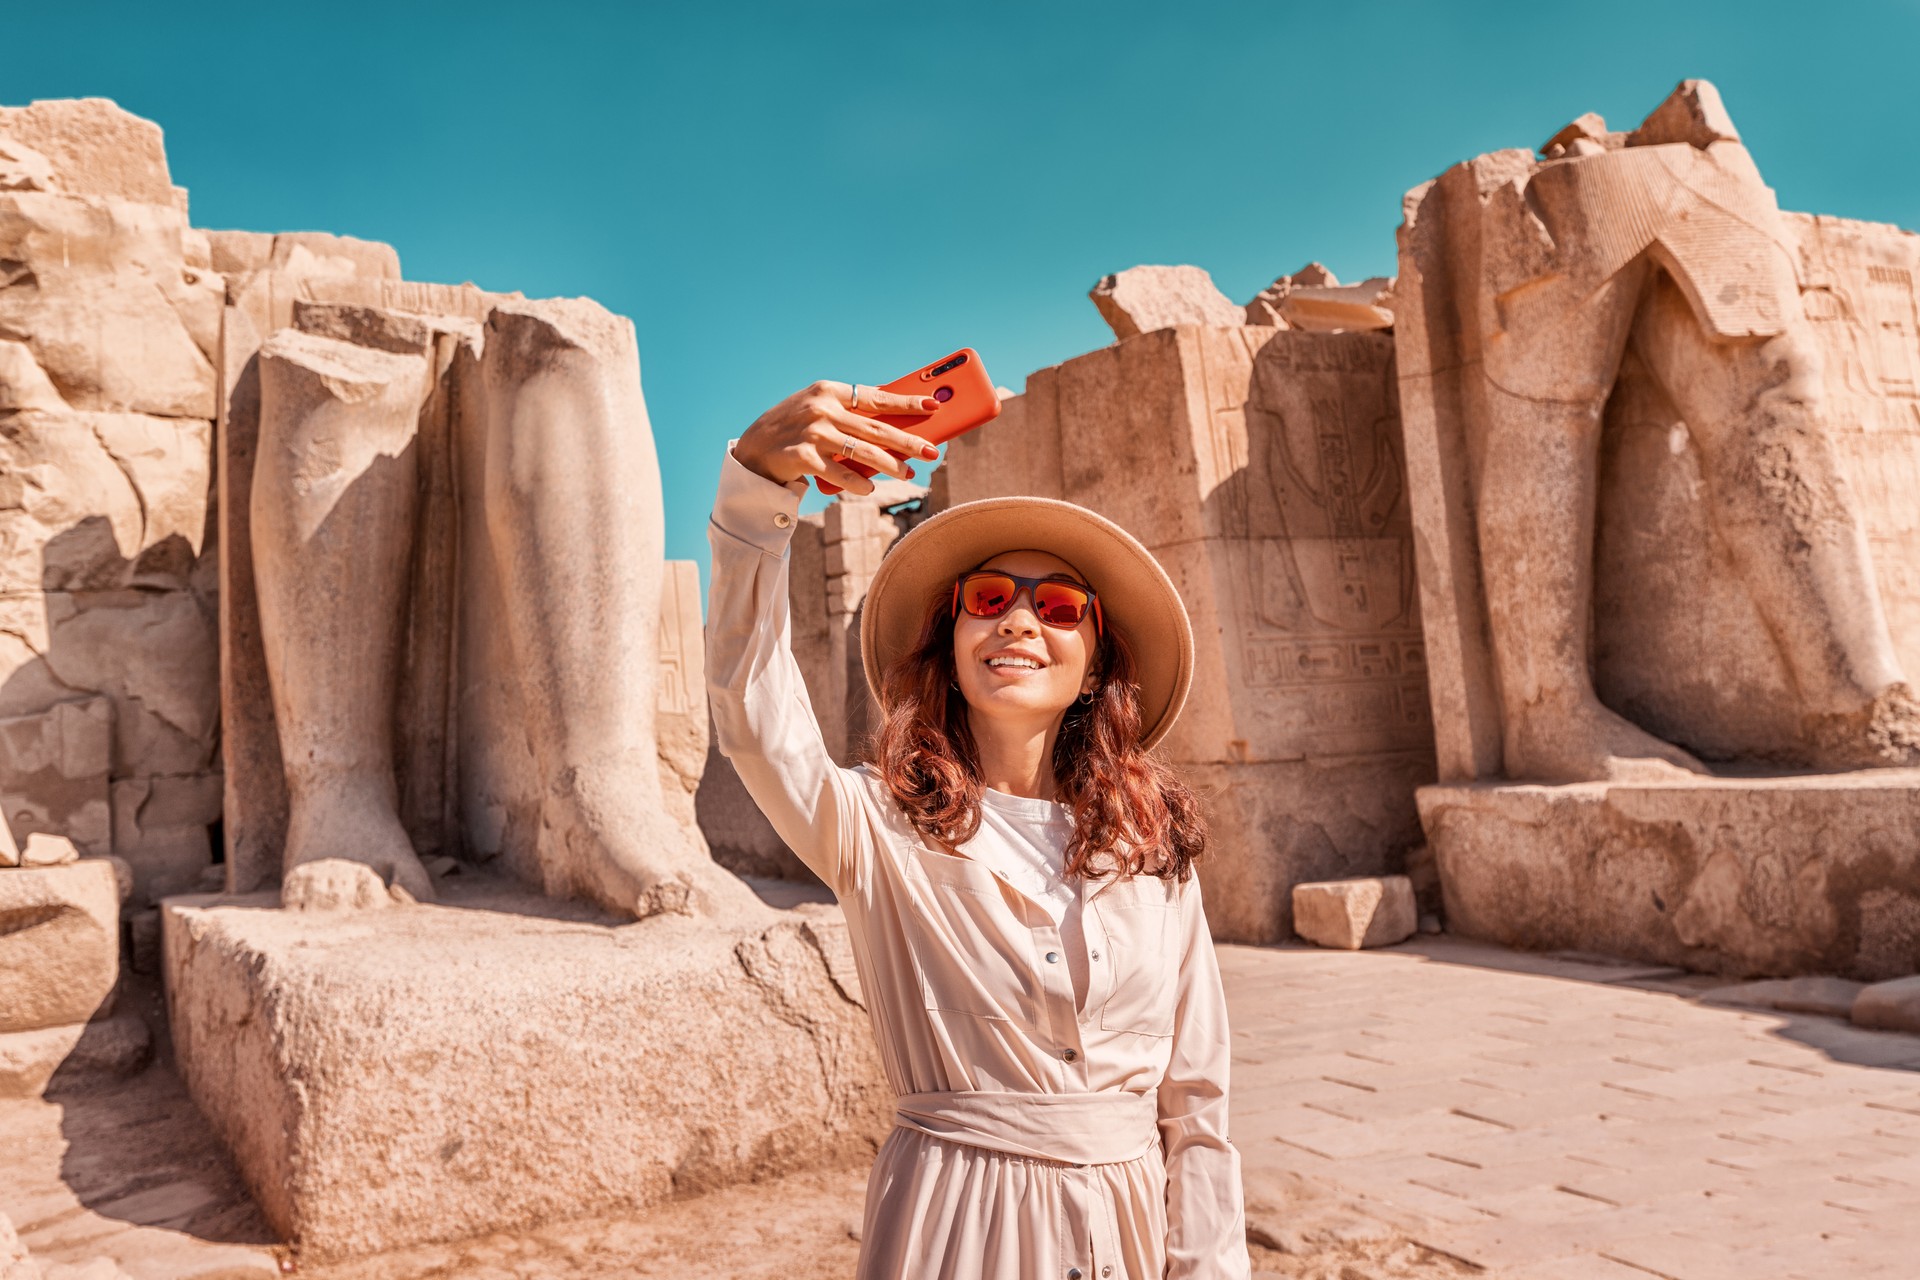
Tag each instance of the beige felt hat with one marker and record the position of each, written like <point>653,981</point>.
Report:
<point>1136,595</point>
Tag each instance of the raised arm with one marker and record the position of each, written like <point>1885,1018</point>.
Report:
<point>763,720</point>
<point>1206,1211</point>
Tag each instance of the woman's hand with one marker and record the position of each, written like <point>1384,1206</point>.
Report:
<point>801,435</point>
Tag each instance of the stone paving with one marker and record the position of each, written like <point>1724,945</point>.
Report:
<point>1437,1109</point>
<point>1559,1120</point>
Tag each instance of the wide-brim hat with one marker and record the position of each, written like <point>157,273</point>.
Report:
<point>1136,595</point>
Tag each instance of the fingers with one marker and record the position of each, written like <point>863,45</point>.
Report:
<point>837,441</point>
<point>846,477</point>
<point>881,435</point>
<point>874,400</point>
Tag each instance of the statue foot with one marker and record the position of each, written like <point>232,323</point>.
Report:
<point>1586,742</point>
<point>609,845</point>
<point>1883,734</point>
<point>354,828</point>
<point>337,884</point>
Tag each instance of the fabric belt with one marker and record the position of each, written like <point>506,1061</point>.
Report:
<point>1073,1128</point>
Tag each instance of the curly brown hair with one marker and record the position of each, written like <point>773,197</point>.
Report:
<point>1131,814</point>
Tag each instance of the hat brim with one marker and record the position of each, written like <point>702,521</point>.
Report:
<point>1136,595</point>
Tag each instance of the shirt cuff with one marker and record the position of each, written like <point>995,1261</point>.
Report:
<point>754,509</point>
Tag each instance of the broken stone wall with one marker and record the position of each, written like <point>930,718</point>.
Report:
<point>109,334</point>
<point>1262,466</point>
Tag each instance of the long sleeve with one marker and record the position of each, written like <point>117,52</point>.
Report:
<point>763,720</point>
<point>1206,1212</point>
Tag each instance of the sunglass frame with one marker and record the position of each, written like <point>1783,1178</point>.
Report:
<point>1031,585</point>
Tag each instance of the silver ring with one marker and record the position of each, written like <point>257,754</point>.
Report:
<point>846,448</point>
<point>856,397</point>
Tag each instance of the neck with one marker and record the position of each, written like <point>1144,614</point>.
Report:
<point>1016,759</point>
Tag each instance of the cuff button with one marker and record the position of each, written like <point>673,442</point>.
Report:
<point>782,519</point>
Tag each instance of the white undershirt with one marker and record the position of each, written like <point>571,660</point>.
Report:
<point>1025,840</point>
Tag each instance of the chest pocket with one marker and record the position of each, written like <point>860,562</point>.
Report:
<point>1141,917</point>
<point>973,956</point>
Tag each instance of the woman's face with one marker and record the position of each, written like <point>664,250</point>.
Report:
<point>1019,692</point>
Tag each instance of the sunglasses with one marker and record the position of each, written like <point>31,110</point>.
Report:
<point>1058,602</point>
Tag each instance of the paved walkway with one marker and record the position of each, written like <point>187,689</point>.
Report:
<point>1557,1120</point>
<point>1440,1109</point>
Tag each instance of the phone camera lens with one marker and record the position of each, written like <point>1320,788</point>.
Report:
<point>943,394</point>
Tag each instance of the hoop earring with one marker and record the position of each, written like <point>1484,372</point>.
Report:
<point>1085,698</point>
<point>953,683</point>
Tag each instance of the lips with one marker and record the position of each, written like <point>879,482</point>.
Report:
<point>1040,663</point>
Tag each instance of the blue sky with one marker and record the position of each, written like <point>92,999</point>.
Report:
<point>776,193</point>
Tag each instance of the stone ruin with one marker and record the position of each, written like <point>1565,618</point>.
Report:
<point>1574,571</point>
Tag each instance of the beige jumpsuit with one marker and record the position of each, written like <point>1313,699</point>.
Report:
<point>1033,1141</point>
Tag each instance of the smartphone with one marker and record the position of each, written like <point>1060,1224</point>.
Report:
<point>967,400</point>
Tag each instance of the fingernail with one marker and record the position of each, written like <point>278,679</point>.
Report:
<point>929,403</point>
<point>928,451</point>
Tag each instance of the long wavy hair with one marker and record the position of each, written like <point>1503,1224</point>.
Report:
<point>1131,814</point>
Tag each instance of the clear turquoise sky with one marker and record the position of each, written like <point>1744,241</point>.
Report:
<point>781,192</point>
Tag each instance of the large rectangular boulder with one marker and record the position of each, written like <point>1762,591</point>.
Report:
<point>434,1072</point>
<point>59,943</point>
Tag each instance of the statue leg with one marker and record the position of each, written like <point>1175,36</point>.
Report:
<point>1548,370</point>
<point>332,513</point>
<point>573,508</point>
<point>1788,517</point>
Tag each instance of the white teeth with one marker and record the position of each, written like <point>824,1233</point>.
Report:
<point>1013,662</point>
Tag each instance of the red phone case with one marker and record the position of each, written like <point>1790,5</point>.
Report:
<point>969,401</point>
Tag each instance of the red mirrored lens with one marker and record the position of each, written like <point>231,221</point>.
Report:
<point>987,595</point>
<point>1059,604</point>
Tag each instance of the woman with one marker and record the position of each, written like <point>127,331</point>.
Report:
<point>1015,869</point>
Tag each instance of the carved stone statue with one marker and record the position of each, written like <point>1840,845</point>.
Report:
<point>558,555</point>
<point>1525,285</point>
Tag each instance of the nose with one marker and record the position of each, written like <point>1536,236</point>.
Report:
<point>1019,620</point>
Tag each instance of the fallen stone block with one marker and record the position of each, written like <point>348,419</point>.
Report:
<point>59,943</point>
<point>44,849</point>
<point>1889,1006</point>
<point>34,1062</point>
<point>1832,997</point>
<point>489,1069</point>
<point>1368,911</point>
<point>1142,299</point>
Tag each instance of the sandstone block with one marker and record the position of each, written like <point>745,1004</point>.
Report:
<point>44,849</point>
<point>1366,911</point>
<point>98,501</point>
<point>160,826</point>
<point>117,320</point>
<point>1142,299</point>
<point>490,1069</point>
<point>59,943</point>
<point>93,148</point>
<point>1890,1006</point>
<point>1814,993</point>
<point>53,772</point>
<point>32,1062</point>
<point>1809,874</point>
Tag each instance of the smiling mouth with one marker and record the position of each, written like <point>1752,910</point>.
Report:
<point>1012,669</point>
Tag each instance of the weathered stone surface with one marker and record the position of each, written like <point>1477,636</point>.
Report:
<point>93,148</point>
<point>1312,298</point>
<point>334,884</point>
<point>683,721</point>
<point>14,1262</point>
<point>1889,1006</point>
<point>1747,876</point>
<point>110,311</point>
<point>24,169</point>
<point>1535,318</point>
<point>160,826</point>
<point>43,850</point>
<point>1366,911</point>
<point>1142,299</point>
<point>559,751</point>
<point>97,501</point>
<point>59,943</point>
<point>394,1048</point>
<point>1279,509</point>
<point>54,767</point>
<point>1811,994</point>
<point>76,1053</point>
